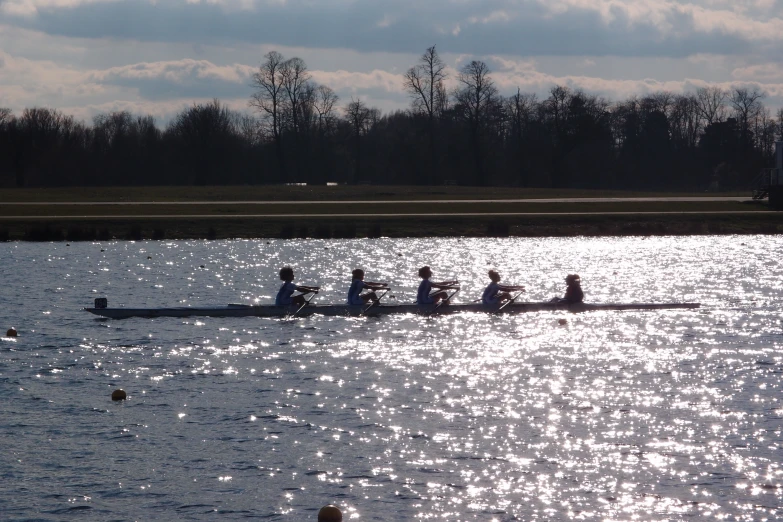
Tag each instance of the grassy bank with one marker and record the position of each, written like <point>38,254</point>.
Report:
<point>360,209</point>
<point>303,212</point>
<point>311,193</point>
<point>538,226</point>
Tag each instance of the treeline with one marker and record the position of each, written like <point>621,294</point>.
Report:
<point>468,135</point>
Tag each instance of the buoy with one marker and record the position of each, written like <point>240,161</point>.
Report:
<point>149,257</point>
<point>11,332</point>
<point>562,322</point>
<point>330,513</point>
<point>119,395</point>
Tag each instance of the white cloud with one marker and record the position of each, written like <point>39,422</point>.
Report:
<point>29,8</point>
<point>158,56</point>
<point>347,81</point>
<point>177,72</point>
<point>767,72</point>
<point>705,16</point>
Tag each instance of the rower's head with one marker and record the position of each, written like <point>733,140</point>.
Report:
<point>286,273</point>
<point>358,274</point>
<point>572,279</point>
<point>425,272</point>
<point>494,275</point>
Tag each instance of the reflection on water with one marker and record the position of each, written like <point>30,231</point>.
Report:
<point>660,415</point>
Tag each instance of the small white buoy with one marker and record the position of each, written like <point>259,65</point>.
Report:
<point>330,513</point>
<point>119,395</point>
<point>11,332</point>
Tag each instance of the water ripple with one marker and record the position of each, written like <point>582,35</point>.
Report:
<point>611,416</point>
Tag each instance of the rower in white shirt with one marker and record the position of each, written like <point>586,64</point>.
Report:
<point>496,294</point>
<point>355,295</point>
<point>426,296</point>
<point>285,295</point>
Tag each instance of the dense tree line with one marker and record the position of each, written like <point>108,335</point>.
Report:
<point>469,135</point>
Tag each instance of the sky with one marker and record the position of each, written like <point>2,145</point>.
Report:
<point>156,57</point>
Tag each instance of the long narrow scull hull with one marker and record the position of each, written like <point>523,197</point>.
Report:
<point>347,310</point>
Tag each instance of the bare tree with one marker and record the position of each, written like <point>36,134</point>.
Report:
<point>295,78</point>
<point>247,126</point>
<point>205,133</point>
<point>557,107</point>
<point>425,84</point>
<point>519,108</point>
<point>780,123</point>
<point>298,94</point>
<point>764,131</point>
<point>685,121</point>
<point>658,101</point>
<point>324,103</point>
<point>422,82</point>
<point>475,93</point>
<point>270,99</point>
<point>441,99</point>
<point>5,116</point>
<point>475,96</point>
<point>712,104</point>
<point>111,129</point>
<point>360,118</point>
<point>746,104</point>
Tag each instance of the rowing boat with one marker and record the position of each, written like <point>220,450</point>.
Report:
<point>241,310</point>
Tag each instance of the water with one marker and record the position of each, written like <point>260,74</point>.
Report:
<point>661,415</point>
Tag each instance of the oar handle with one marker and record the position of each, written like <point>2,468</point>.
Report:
<point>373,303</point>
<point>306,302</point>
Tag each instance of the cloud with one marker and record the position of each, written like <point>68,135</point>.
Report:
<point>179,79</point>
<point>524,27</point>
<point>769,72</point>
<point>158,56</point>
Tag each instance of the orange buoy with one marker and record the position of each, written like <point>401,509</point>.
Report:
<point>330,513</point>
<point>11,332</point>
<point>119,395</point>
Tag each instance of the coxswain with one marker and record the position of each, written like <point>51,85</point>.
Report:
<point>574,293</point>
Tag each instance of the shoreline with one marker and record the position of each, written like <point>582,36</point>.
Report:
<point>212,227</point>
<point>351,211</point>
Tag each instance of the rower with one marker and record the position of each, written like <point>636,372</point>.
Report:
<point>574,293</point>
<point>285,295</point>
<point>496,294</point>
<point>423,296</point>
<point>355,295</point>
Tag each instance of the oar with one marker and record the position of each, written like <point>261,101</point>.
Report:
<point>509,301</point>
<point>307,302</point>
<point>444,300</point>
<point>373,303</point>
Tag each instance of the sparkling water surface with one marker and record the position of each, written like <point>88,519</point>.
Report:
<point>624,415</point>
